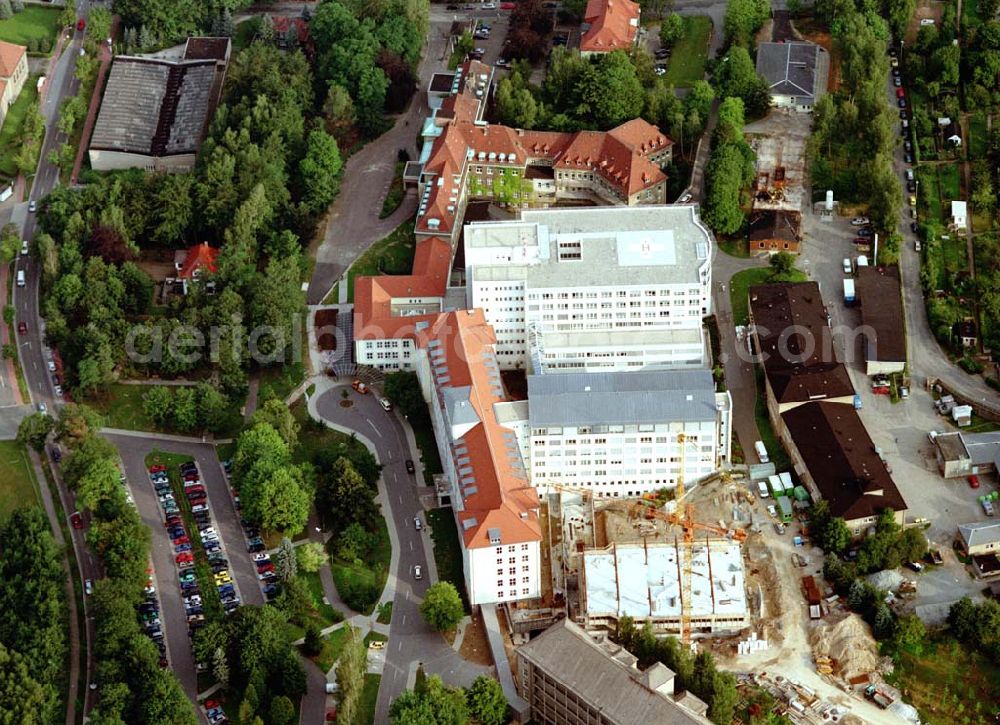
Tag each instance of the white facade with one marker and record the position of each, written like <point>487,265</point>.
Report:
<point>503,573</point>
<point>386,354</point>
<point>617,433</point>
<point>598,289</point>
<point>499,571</point>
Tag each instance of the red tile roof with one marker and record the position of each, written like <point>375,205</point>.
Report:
<point>503,498</point>
<point>199,258</point>
<point>613,25</point>
<point>10,56</point>
<point>283,22</point>
<point>373,295</point>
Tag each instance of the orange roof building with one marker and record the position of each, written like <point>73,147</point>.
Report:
<point>13,73</point>
<point>609,25</point>
<point>496,508</point>
<point>465,156</point>
<point>200,259</point>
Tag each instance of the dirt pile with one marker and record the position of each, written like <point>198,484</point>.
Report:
<point>848,644</point>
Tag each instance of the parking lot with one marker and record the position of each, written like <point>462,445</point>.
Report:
<point>133,450</point>
<point>899,429</point>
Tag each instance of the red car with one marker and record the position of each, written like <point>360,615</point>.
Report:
<point>22,327</point>
<point>77,520</point>
<point>261,568</point>
<point>508,6</point>
<point>81,24</point>
<point>157,468</point>
<point>180,540</point>
<point>184,557</point>
<point>172,521</point>
<point>900,93</point>
<point>974,481</point>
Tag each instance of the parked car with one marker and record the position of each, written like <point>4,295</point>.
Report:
<point>866,232</point>
<point>88,587</point>
<point>409,466</point>
<point>973,481</point>
<point>860,221</point>
<point>76,519</point>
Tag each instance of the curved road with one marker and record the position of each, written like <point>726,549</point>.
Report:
<point>411,641</point>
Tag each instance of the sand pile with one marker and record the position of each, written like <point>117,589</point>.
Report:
<point>848,642</point>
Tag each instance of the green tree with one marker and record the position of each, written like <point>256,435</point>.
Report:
<point>34,430</point>
<point>369,101</point>
<point>6,12</point>
<point>909,634</point>
<point>213,407</point>
<point>736,75</point>
<point>487,703</point>
<point>285,560</point>
<point>185,409</point>
<point>311,556</point>
<point>282,711</point>
<point>312,643</point>
<point>275,413</point>
<point>671,30</point>
<point>350,674</point>
<point>610,92</point>
<point>442,606</point>
<point>339,110</point>
<point>284,501</point>
<point>434,702</point>
<point>320,170</point>
<point>403,391</point>
<point>744,18</point>
<point>157,403</point>
<point>22,698</point>
<point>345,497</point>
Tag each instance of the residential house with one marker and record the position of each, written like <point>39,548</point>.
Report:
<point>979,538</point>
<point>959,216</point>
<point>775,230</point>
<point>13,73</point>
<point>609,25</point>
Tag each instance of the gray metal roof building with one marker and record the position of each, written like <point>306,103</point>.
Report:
<point>158,109</point>
<point>569,678</point>
<point>795,70</point>
<point>980,535</point>
<point>618,398</point>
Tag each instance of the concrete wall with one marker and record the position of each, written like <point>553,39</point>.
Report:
<point>105,160</point>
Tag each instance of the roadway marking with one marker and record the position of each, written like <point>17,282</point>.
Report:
<point>411,546</point>
<point>377,431</point>
<point>404,619</point>
<point>400,497</point>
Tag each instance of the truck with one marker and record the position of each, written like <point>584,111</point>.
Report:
<point>775,482</point>
<point>849,297</point>
<point>761,451</point>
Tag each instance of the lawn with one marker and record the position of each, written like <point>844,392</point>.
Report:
<point>423,433</point>
<point>978,136</point>
<point>366,710</point>
<point>741,283</point>
<point>333,645</point>
<point>121,407</point>
<point>447,551</point>
<point>372,570</point>
<point>10,134</point>
<point>390,255</point>
<point>18,487</point>
<point>33,23</point>
<point>948,683</point>
<point>315,437</point>
<point>327,614</point>
<point>687,63</point>
<point>394,197</point>
<point>949,183</point>
<point>281,381</point>
<point>929,193</point>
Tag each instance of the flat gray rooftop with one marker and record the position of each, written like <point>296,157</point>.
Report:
<point>618,398</point>
<point>612,245</point>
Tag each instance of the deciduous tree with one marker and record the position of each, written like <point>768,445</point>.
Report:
<point>442,606</point>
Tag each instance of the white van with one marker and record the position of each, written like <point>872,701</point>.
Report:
<point>761,451</point>
<point>762,489</point>
<point>20,278</point>
<point>386,405</point>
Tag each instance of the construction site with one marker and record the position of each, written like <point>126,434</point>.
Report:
<point>714,571</point>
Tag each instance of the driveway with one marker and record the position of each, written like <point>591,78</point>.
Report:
<point>353,222</point>
<point>411,641</point>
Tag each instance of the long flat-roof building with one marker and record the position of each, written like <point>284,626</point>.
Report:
<point>884,329</point>
<point>616,433</point>
<point>791,333</point>
<point>570,679</point>
<point>597,289</point>
<point>836,459</point>
<point>155,112</point>
<point>643,582</point>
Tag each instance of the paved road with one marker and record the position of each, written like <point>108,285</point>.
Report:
<point>411,641</point>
